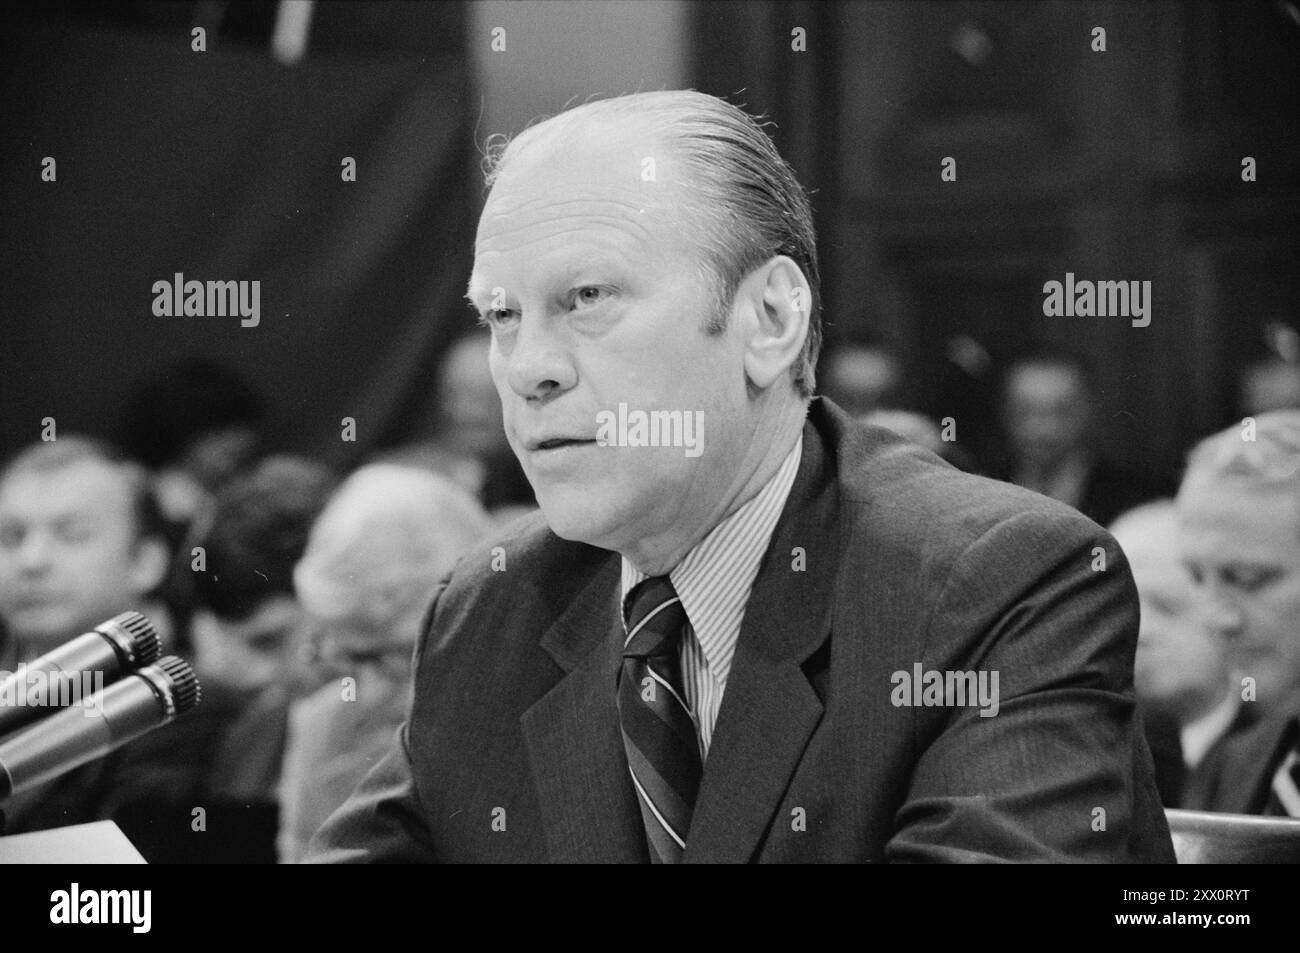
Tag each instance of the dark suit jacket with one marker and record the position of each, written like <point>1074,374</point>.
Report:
<point>1239,778</point>
<point>1161,732</point>
<point>1178,786</point>
<point>883,557</point>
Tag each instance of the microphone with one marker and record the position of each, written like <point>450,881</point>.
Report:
<point>58,678</point>
<point>139,703</point>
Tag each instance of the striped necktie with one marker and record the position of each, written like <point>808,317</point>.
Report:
<point>663,752</point>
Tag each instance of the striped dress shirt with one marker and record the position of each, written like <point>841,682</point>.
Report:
<point>713,581</point>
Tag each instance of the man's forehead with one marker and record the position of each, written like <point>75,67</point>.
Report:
<point>85,486</point>
<point>569,202</point>
<point>524,208</point>
<point>615,146</point>
<point>1039,380</point>
<point>618,167</point>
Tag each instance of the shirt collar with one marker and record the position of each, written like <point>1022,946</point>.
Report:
<point>1199,736</point>
<point>714,579</point>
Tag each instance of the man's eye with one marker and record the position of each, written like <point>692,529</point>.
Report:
<point>267,642</point>
<point>78,532</point>
<point>496,317</point>
<point>1250,579</point>
<point>589,295</point>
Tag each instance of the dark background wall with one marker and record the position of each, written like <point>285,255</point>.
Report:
<point>1117,165</point>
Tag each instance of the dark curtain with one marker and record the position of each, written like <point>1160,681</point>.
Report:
<point>226,165</point>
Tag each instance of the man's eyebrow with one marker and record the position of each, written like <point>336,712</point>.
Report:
<point>565,273</point>
<point>1250,565</point>
<point>593,263</point>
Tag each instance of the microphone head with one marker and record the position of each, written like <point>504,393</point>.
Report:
<point>134,636</point>
<point>184,684</point>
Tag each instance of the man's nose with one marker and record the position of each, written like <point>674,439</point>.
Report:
<point>539,365</point>
<point>1221,614</point>
<point>36,553</point>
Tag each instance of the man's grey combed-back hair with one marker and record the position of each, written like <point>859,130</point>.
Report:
<point>1270,459</point>
<point>749,206</point>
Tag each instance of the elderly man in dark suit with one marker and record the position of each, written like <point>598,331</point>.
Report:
<point>1239,507</point>
<point>743,627</point>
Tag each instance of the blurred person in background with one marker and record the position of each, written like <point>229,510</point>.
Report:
<point>470,425</point>
<point>370,570</point>
<point>1270,384</point>
<point>81,541</point>
<point>469,444</point>
<point>468,406</point>
<point>1182,675</point>
<point>1049,404</point>
<point>248,640</point>
<point>247,630</point>
<point>194,425</point>
<point>861,378</point>
<point>1239,508</point>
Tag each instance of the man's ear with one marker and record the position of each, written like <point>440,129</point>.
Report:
<point>149,563</point>
<point>777,323</point>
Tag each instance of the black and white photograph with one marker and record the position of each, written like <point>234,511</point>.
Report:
<point>650,432</point>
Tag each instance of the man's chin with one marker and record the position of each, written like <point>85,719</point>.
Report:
<point>579,520</point>
<point>43,629</point>
<point>575,527</point>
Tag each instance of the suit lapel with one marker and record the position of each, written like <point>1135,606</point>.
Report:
<point>768,714</point>
<point>1262,755</point>
<point>770,709</point>
<point>575,748</point>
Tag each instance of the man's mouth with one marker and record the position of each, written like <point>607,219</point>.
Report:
<point>554,443</point>
<point>33,600</point>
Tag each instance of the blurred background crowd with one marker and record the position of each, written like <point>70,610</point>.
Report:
<point>201,471</point>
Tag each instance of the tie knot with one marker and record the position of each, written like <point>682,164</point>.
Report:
<point>654,619</point>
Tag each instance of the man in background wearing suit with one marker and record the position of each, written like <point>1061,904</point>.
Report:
<point>1189,696</point>
<point>1049,411</point>
<point>1239,508</point>
<point>777,636</point>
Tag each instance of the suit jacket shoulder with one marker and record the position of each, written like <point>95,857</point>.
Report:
<point>986,586</point>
